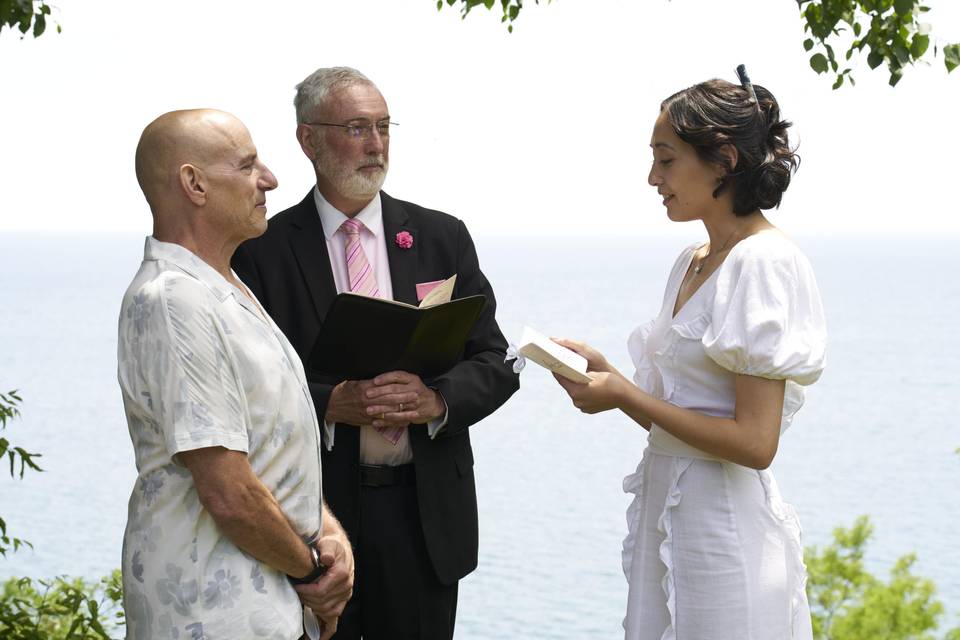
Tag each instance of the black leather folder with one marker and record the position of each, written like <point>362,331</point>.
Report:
<point>362,337</point>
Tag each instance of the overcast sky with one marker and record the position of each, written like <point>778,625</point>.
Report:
<point>545,130</point>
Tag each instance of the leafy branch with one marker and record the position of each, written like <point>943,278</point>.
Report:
<point>25,15</point>
<point>890,31</point>
<point>9,411</point>
<point>511,8</point>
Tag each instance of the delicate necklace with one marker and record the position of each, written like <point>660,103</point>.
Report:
<point>697,269</point>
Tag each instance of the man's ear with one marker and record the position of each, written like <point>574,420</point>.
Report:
<point>194,184</point>
<point>306,136</point>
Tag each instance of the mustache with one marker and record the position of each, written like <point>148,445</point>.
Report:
<point>376,161</point>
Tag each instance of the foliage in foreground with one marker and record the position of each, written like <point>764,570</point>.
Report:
<point>61,609</point>
<point>9,411</point>
<point>848,603</point>
<point>891,32</point>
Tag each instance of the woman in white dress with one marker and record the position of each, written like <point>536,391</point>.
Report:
<point>712,552</point>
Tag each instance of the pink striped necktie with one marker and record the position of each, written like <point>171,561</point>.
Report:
<point>362,278</point>
<point>364,281</point>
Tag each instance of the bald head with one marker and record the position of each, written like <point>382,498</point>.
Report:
<point>206,186</point>
<point>197,137</point>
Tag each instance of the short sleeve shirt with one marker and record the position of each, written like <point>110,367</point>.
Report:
<point>201,366</point>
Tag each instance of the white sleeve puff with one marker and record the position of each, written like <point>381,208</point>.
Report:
<point>767,316</point>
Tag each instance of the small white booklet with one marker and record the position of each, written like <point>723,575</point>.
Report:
<point>548,354</point>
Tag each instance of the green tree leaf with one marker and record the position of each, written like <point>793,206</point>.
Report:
<point>39,25</point>
<point>818,62</point>
<point>951,56</point>
<point>904,7</point>
<point>901,53</point>
<point>919,45</point>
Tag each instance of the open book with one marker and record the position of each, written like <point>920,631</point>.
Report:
<point>362,337</point>
<point>545,352</point>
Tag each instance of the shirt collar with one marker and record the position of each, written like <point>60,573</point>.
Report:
<point>188,262</point>
<point>331,218</point>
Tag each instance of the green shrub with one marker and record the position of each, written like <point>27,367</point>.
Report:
<point>61,609</point>
<point>55,609</point>
<point>849,603</point>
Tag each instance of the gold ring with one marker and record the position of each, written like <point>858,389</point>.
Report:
<point>383,416</point>
<point>401,406</point>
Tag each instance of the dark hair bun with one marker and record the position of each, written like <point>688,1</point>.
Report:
<point>761,185</point>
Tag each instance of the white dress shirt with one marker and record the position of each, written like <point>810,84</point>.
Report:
<point>374,448</point>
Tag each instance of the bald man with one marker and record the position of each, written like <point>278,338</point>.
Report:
<point>227,535</point>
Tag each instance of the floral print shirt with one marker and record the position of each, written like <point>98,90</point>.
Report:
<point>201,366</point>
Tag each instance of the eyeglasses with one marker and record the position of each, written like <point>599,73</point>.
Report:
<point>360,131</point>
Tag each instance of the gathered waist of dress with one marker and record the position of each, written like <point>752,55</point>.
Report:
<point>661,442</point>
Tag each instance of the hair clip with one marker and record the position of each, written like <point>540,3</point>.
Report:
<point>746,84</point>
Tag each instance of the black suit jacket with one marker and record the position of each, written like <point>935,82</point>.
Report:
<point>288,269</point>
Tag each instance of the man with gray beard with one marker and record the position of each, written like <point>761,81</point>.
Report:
<point>397,461</point>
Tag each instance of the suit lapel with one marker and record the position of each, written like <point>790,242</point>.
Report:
<point>309,247</point>
<point>403,262</point>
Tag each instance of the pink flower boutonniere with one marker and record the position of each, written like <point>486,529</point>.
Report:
<point>404,240</point>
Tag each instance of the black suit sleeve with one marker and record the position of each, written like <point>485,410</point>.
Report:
<point>481,382</point>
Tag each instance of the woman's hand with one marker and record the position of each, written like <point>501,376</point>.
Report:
<point>606,391</point>
<point>595,360</point>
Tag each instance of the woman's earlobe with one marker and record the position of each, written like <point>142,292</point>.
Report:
<point>731,156</point>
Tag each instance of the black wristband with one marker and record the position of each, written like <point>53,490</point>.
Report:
<point>318,569</point>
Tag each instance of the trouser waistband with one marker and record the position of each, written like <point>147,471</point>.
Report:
<point>377,475</point>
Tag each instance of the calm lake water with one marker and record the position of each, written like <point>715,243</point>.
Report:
<point>876,437</point>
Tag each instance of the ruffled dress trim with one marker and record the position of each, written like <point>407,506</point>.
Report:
<point>665,526</point>
<point>782,511</point>
<point>790,523</point>
<point>633,483</point>
<point>646,375</point>
<point>653,372</point>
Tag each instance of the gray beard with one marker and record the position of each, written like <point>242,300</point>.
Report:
<point>357,186</point>
<point>347,181</point>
